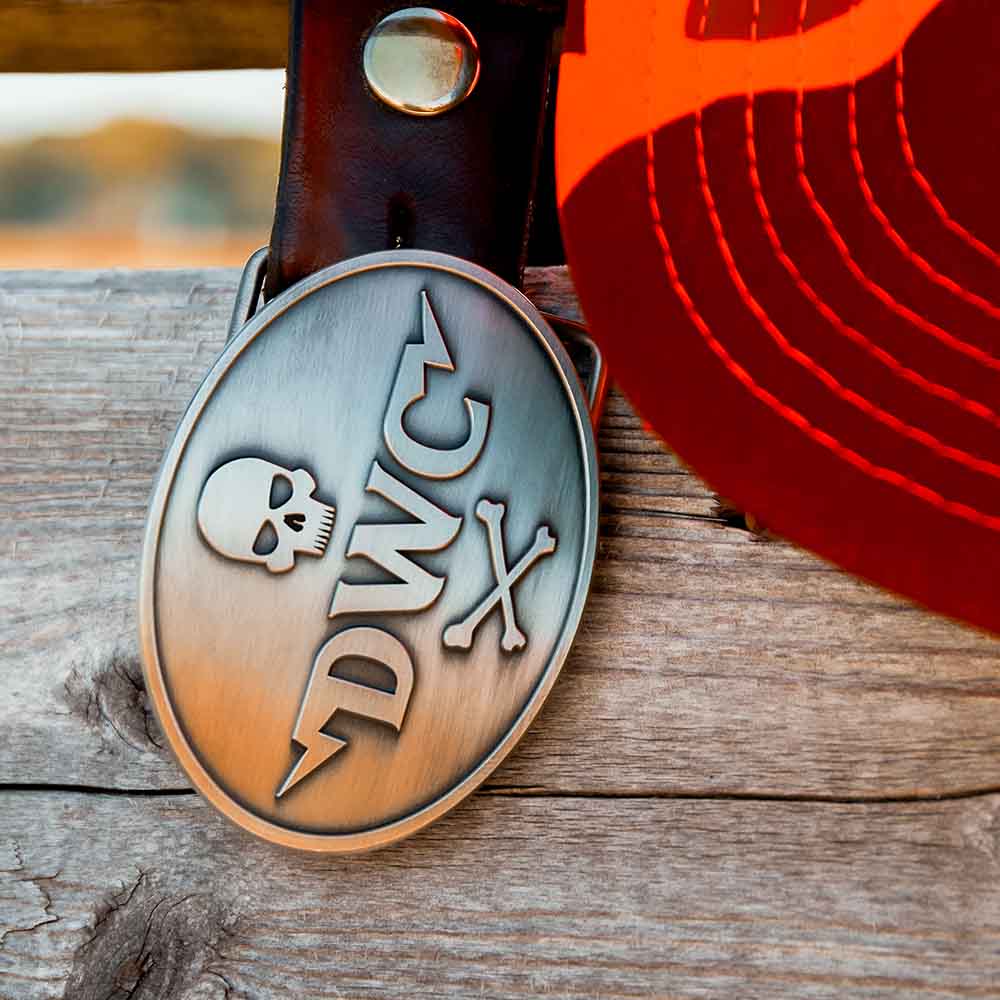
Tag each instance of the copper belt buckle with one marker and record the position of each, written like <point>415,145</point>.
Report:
<point>370,546</point>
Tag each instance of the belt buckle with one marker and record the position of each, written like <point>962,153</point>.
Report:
<point>575,336</point>
<point>369,546</point>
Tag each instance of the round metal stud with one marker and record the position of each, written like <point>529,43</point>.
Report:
<point>421,61</point>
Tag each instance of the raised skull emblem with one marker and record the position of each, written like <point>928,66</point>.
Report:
<point>255,511</point>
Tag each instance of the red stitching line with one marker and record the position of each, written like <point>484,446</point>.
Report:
<point>932,329</point>
<point>972,406</point>
<point>788,349</point>
<point>843,392</point>
<point>919,262</point>
<point>792,416</point>
<point>789,414</point>
<point>923,183</point>
<point>925,326</point>
<point>703,22</point>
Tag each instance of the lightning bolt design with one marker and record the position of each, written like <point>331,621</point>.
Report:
<point>326,695</point>
<point>410,387</point>
<point>318,750</point>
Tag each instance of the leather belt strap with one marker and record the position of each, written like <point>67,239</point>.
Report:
<point>358,176</point>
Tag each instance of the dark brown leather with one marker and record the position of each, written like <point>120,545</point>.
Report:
<point>358,176</point>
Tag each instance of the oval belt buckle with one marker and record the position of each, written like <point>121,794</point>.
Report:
<point>369,548</point>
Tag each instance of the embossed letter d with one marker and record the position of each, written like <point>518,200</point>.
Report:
<point>326,695</point>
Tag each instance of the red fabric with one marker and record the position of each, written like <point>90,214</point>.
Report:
<point>801,292</point>
<point>758,18</point>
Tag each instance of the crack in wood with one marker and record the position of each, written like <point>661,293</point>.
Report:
<point>102,912</point>
<point>229,991</point>
<point>538,792</point>
<point>732,517</point>
<point>36,882</point>
<point>678,515</point>
<point>148,793</point>
<point>749,797</point>
<point>525,897</point>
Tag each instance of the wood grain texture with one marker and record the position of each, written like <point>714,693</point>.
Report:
<point>90,36</point>
<point>708,662</point>
<point>733,791</point>
<point>107,897</point>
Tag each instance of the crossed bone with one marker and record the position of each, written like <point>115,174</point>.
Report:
<point>459,635</point>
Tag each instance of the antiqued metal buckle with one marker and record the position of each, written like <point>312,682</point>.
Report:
<point>584,352</point>
<point>369,546</point>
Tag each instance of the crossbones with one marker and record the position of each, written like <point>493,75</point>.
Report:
<point>459,635</point>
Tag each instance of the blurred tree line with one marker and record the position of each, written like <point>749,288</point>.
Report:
<point>139,176</point>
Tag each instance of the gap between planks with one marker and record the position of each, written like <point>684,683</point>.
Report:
<point>501,791</point>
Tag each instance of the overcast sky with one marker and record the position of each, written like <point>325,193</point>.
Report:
<point>232,101</point>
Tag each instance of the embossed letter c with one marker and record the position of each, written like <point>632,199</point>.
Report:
<point>411,386</point>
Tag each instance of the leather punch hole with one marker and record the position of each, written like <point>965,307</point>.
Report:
<point>401,221</point>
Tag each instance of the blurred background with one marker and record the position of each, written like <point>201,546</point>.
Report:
<point>137,170</point>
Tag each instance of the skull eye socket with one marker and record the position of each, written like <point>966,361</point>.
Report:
<point>266,541</point>
<point>281,491</point>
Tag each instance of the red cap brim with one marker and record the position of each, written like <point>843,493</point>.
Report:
<point>799,287</point>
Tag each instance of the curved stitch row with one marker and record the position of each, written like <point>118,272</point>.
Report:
<point>972,406</point>
<point>923,183</point>
<point>789,414</point>
<point>804,360</point>
<point>898,240</point>
<point>842,392</point>
<point>792,416</point>
<point>884,296</point>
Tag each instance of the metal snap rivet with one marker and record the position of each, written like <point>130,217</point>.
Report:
<point>421,61</point>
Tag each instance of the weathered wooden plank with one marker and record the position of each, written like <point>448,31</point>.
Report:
<point>708,662</point>
<point>90,36</point>
<point>107,897</point>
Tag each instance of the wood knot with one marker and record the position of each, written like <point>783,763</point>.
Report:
<point>111,699</point>
<point>147,941</point>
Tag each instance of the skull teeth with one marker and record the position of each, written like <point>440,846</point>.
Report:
<point>322,538</point>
